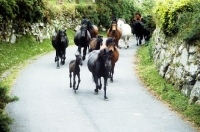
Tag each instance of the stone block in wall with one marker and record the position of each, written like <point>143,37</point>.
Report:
<point>184,57</point>
<point>186,89</point>
<point>169,73</point>
<point>13,39</point>
<point>178,72</point>
<point>192,58</point>
<point>193,49</point>
<point>195,93</point>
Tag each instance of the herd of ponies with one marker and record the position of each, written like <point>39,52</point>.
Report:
<point>102,56</point>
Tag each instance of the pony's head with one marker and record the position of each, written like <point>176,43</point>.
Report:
<point>110,42</point>
<point>83,30</point>
<point>61,35</point>
<point>79,59</point>
<point>105,55</point>
<point>120,21</point>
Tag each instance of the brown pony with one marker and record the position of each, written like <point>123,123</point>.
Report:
<point>96,43</point>
<point>94,31</point>
<point>110,44</point>
<point>114,32</point>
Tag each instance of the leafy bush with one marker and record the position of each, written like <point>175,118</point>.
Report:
<point>101,12</point>
<point>179,16</point>
<point>5,120</point>
<point>88,11</point>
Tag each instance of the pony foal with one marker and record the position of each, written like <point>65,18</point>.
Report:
<point>75,69</point>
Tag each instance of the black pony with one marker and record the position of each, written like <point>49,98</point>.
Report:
<point>82,39</point>
<point>140,30</point>
<point>60,43</point>
<point>99,64</point>
<point>75,69</point>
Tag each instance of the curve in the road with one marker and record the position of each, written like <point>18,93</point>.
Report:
<point>48,104</point>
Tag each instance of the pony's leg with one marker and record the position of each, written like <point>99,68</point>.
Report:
<point>74,81</point>
<point>79,49</point>
<point>79,80</point>
<point>70,76</point>
<point>128,37</point>
<point>84,52</point>
<point>100,84</point>
<point>105,83</point>
<point>111,73</point>
<point>63,56</point>
<point>57,59</point>
<point>125,41</point>
<point>96,82</point>
<point>137,39</point>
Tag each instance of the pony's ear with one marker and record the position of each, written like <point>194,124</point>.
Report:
<point>65,30</point>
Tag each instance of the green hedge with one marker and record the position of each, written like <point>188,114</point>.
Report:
<point>101,12</point>
<point>179,17</point>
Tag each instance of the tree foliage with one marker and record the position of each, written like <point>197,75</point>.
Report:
<point>101,12</point>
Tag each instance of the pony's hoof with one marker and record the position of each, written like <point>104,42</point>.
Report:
<point>106,99</point>
<point>96,90</point>
<point>111,80</point>
<point>63,63</point>
<point>99,87</point>
<point>74,90</point>
<point>57,67</point>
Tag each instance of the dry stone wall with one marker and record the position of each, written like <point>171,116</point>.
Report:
<point>39,30</point>
<point>179,63</point>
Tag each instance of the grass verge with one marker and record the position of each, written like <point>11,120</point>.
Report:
<point>162,90</point>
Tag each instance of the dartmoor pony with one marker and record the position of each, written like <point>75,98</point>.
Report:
<point>93,29</point>
<point>138,30</point>
<point>99,64</point>
<point>126,31</point>
<point>96,43</point>
<point>110,44</point>
<point>82,39</point>
<point>75,69</point>
<point>114,32</point>
<point>60,43</point>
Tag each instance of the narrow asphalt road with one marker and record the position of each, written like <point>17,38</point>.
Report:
<point>47,104</point>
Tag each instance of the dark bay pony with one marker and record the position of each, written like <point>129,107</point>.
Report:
<point>60,43</point>
<point>82,39</point>
<point>114,32</point>
<point>96,43</point>
<point>110,44</point>
<point>93,29</point>
<point>99,64</point>
<point>138,30</point>
<point>75,69</point>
